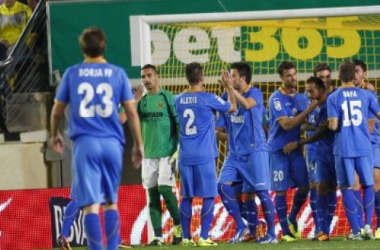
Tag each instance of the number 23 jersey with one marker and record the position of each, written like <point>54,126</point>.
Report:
<point>197,126</point>
<point>94,91</point>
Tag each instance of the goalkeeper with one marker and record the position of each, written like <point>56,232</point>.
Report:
<point>159,123</point>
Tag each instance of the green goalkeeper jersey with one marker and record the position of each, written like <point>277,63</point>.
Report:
<point>159,124</point>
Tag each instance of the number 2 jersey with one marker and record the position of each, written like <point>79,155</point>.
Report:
<point>353,107</point>
<point>197,126</point>
<point>94,91</point>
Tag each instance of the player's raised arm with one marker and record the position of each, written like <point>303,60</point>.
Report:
<point>227,83</point>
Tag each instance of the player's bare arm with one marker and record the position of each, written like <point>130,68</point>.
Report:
<point>333,123</point>
<point>308,127</point>
<point>55,117</point>
<point>134,126</point>
<point>288,123</point>
<point>221,134</point>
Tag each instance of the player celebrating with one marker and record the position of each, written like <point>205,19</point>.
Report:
<point>198,150</point>
<point>247,158</point>
<point>287,110</point>
<point>349,108</point>
<point>325,169</point>
<point>159,123</point>
<point>94,89</point>
<point>360,76</point>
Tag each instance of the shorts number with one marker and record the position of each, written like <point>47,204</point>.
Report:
<point>190,128</point>
<point>103,110</point>
<point>278,175</point>
<point>352,113</point>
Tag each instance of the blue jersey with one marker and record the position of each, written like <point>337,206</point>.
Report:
<point>94,91</point>
<point>197,126</point>
<point>326,144</point>
<point>353,107</point>
<point>245,126</point>
<point>374,136</point>
<point>282,105</point>
<point>311,148</point>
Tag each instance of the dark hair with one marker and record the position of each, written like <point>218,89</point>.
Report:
<point>360,63</point>
<point>244,70</point>
<point>321,67</point>
<point>194,72</point>
<point>317,81</point>
<point>285,65</point>
<point>347,71</point>
<point>93,42</point>
<point>149,66</point>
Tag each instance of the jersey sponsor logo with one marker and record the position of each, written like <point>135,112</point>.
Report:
<point>237,119</point>
<point>277,105</point>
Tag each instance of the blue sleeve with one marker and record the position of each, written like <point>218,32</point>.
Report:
<point>220,121</point>
<point>277,108</point>
<point>217,103</point>
<point>373,107</point>
<point>332,111</point>
<point>63,93</point>
<point>257,96</point>
<point>126,89</point>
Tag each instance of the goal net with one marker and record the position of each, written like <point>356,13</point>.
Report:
<point>264,44</point>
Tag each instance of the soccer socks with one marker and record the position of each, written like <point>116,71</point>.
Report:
<point>281,208</point>
<point>155,211</point>
<point>332,199</point>
<point>298,200</point>
<point>171,202</point>
<point>228,195</point>
<point>322,210</point>
<point>186,213</point>
<point>207,215</point>
<point>350,208</point>
<point>377,207</point>
<point>71,213</point>
<point>359,207</point>
<point>313,206</point>
<point>112,226</point>
<point>368,203</point>
<point>93,231</point>
<point>252,218</point>
<point>268,209</point>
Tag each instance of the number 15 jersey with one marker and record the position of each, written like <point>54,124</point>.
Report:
<point>94,91</point>
<point>197,126</point>
<point>353,107</point>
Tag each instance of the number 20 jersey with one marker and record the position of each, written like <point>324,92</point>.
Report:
<point>353,107</point>
<point>197,126</point>
<point>94,91</point>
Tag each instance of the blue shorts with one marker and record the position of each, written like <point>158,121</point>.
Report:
<point>346,168</point>
<point>376,155</point>
<point>252,169</point>
<point>288,169</point>
<point>311,169</point>
<point>325,166</point>
<point>198,180</point>
<point>97,167</point>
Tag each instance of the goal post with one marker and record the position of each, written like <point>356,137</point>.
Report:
<point>263,39</point>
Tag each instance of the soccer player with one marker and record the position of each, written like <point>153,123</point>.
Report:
<point>159,127</point>
<point>360,77</point>
<point>349,108</point>
<point>94,89</point>
<point>287,110</point>
<point>323,139</point>
<point>247,158</point>
<point>197,152</point>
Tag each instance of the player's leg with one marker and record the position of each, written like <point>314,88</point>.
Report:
<point>187,193</point>
<point>205,187</point>
<point>377,201</point>
<point>70,214</point>
<point>111,169</point>
<point>166,181</point>
<point>228,175</point>
<point>87,186</point>
<point>312,169</point>
<point>356,188</point>
<point>298,174</point>
<point>279,170</point>
<point>149,174</point>
<point>364,168</point>
<point>345,171</point>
